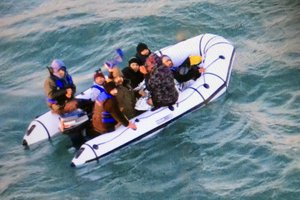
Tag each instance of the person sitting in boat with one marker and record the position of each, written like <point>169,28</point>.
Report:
<point>160,83</point>
<point>132,72</point>
<point>142,53</point>
<point>188,70</point>
<point>97,87</point>
<point>60,90</point>
<point>125,96</point>
<point>106,113</point>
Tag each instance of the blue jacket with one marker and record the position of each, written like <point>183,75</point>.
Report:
<point>55,89</point>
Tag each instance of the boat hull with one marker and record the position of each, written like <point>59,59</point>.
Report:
<point>218,54</point>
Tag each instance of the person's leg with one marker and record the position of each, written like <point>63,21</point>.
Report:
<point>57,109</point>
<point>76,135</point>
<point>85,104</point>
<point>70,106</point>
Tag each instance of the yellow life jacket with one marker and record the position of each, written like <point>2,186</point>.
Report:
<point>195,60</point>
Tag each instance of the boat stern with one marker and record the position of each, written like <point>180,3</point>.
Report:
<point>35,133</point>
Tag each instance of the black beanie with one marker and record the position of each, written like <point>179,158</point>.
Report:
<point>109,86</point>
<point>140,47</point>
<point>133,60</point>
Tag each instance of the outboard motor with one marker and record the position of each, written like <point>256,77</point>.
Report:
<point>46,126</point>
<point>74,125</point>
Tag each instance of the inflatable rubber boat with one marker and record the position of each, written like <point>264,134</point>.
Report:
<point>218,55</point>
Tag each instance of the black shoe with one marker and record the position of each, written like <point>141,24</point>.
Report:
<point>154,108</point>
<point>171,107</point>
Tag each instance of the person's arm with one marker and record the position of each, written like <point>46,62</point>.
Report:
<point>51,90</point>
<point>193,73</point>
<point>179,77</point>
<point>113,108</point>
<point>70,85</point>
<point>118,115</point>
<point>186,62</point>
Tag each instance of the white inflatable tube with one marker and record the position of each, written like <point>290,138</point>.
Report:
<point>218,56</point>
<point>46,126</point>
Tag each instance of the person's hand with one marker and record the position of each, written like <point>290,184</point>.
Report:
<point>71,106</point>
<point>142,93</point>
<point>63,126</point>
<point>118,125</point>
<point>150,102</point>
<point>69,93</point>
<point>143,69</point>
<point>132,126</point>
<point>201,70</point>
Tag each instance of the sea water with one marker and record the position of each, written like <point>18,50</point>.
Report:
<point>246,145</point>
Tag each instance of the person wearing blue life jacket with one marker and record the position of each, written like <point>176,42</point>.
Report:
<point>106,112</point>
<point>60,90</point>
<point>97,87</point>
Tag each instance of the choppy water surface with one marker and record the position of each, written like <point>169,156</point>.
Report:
<point>244,146</point>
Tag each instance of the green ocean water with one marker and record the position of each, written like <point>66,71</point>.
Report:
<point>246,145</point>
